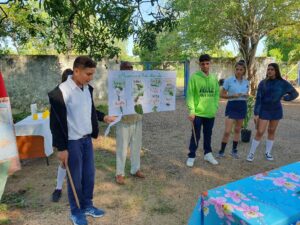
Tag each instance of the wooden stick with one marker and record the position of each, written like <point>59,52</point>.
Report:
<point>72,186</point>
<point>194,133</point>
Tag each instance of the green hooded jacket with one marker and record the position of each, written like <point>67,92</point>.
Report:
<point>203,95</point>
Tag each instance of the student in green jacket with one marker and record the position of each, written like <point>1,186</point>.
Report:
<point>202,102</point>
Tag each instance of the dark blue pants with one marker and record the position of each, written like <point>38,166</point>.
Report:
<point>81,165</point>
<point>207,124</point>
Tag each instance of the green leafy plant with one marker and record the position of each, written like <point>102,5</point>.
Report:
<point>250,106</point>
<point>139,109</point>
<point>139,86</point>
<point>119,85</point>
<point>155,82</point>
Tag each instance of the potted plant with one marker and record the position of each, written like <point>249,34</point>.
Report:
<point>245,132</point>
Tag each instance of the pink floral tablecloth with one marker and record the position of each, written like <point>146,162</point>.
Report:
<point>269,198</point>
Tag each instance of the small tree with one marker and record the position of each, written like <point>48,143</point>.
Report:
<point>214,23</point>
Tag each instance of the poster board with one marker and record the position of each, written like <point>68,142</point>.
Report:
<point>139,92</point>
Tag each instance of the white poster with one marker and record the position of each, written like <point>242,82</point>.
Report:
<point>8,146</point>
<point>139,92</point>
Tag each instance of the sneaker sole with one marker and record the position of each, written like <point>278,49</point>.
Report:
<point>92,215</point>
<point>234,157</point>
<point>211,162</point>
<point>190,165</point>
<point>56,199</point>
<point>73,222</point>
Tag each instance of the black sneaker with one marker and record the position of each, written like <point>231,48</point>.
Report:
<point>56,195</point>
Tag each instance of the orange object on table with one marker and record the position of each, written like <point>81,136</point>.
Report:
<point>31,147</point>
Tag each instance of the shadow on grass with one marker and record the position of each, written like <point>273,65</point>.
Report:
<point>105,160</point>
<point>10,201</point>
<point>163,207</point>
<point>14,199</point>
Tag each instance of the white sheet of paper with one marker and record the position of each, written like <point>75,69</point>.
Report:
<point>118,119</point>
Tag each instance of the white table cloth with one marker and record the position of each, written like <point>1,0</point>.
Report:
<point>40,127</point>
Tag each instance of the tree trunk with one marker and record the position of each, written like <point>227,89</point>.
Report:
<point>71,28</point>
<point>248,47</point>
<point>71,36</point>
<point>16,46</point>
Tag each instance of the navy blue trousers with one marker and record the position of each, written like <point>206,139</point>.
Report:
<point>207,124</point>
<point>81,165</point>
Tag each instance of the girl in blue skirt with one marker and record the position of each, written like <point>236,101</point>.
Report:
<point>235,89</point>
<point>268,108</point>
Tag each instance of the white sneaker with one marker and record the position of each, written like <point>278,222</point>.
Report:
<point>250,157</point>
<point>210,158</point>
<point>269,157</point>
<point>190,162</point>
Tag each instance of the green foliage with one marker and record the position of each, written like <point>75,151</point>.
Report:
<point>285,42</point>
<point>93,26</point>
<point>170,47</point>
<point>25,22</point>
<point>276,53</point>
<point>83,26</point>
<point>289,71</point>
<point>123,55</point>
<point>103,108</point>
<point>20,116</point>
<point>211,24</point>
<point>250,107</point>
<point>284,45</point>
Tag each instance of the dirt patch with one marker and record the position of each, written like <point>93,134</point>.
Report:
<point>169,193</point>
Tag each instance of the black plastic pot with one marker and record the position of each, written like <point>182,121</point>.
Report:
<point>245,135</point>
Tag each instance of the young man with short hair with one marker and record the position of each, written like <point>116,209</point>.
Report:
<point>73,123</point>
<point>202,102</point>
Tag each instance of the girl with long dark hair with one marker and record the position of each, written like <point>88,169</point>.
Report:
<point>268,109</point>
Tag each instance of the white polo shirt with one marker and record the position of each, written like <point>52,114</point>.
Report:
<point>79,109</point>
<point>233,86</point>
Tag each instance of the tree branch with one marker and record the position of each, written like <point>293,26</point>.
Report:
<point>5,15</point>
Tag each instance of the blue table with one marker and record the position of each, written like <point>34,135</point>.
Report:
<point>270,198</point>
